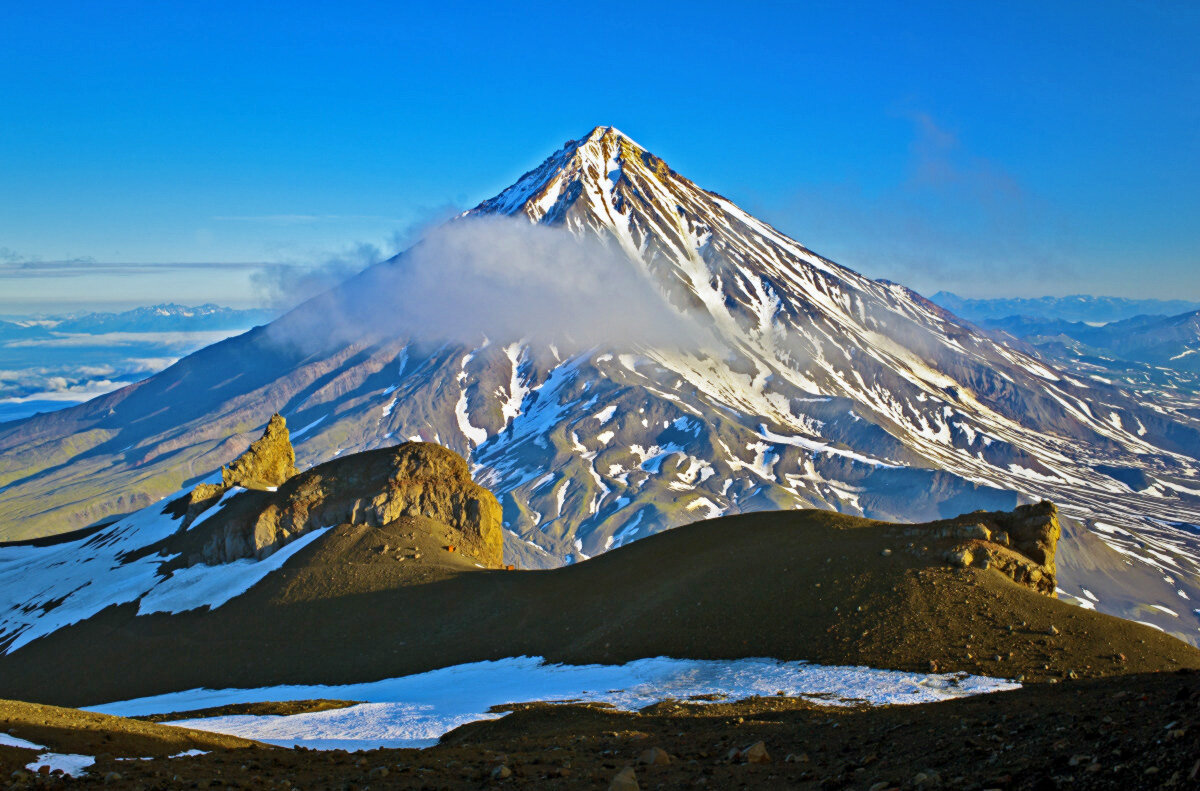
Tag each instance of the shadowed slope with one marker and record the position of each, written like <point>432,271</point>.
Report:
<point>793,585</point>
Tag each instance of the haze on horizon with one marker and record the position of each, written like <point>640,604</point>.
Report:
<point>156,153</point>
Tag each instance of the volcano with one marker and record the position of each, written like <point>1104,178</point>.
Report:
<point>811,386</point>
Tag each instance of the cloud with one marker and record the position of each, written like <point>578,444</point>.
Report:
<point>284,285</point>
<point>503,279</point>
<point>169,340</point>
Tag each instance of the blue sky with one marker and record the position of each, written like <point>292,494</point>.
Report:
<point>1010,149</point>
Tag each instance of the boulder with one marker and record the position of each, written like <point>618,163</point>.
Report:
<point>960,558</point>
<point>756,754</point>
<point>1019,544</point>
<point>624,780</point>
<point>655,756</point>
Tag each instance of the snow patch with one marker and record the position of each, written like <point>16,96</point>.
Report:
<point>415,711</point>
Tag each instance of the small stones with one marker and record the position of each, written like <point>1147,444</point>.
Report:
<point>927,777</point>
<point>886,553</point>
<point>933,666</point>
<point>756,754</point>
<point>378,773</point>
<point>451,548</point>
<point>1052,630</point>
<point>655,756</point>
<point>796,758</point>
<point>960,558</point>
<point>502,772</point>
<point>624,780</point>
<point>113,777</point>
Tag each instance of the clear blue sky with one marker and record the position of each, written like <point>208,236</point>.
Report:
<point>1007,148</point>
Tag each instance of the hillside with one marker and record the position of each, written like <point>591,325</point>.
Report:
<point>238,597</point>
<point>806,585</point>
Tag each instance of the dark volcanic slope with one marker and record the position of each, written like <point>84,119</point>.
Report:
<point>793,585</point>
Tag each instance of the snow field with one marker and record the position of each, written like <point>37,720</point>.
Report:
<point>415,711</point>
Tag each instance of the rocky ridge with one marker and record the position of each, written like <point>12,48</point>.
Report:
<point>373,488</point>
<point>1019,544</point>
<point>268,462</point>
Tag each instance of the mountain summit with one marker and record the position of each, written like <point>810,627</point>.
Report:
<point>820,388</point>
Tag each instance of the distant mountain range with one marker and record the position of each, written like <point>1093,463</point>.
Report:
<point>50,362</point>
<point>167,317</point>
<point>1162,341</point>
<point>1078,308</point>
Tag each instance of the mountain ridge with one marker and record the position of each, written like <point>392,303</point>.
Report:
<point>1078,307</point>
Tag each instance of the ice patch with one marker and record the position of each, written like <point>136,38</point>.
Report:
<point>229,494</point>
<point>415,711</point>
<point>211,586</point>
<point>295,435</point>
<point>73,765</point>
<point>13,741</point>
<point>43,589</point>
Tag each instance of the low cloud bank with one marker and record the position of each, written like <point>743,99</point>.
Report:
<point>503,279</point>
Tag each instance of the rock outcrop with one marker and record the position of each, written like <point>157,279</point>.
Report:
<point>1020,543</point>
<point>268,462</point>
<point>372,488</point>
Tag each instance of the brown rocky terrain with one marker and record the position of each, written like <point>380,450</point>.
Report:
<point>372,489</point>
<point>362,603</point>
<point>266,464</point>
<point>1020,543</point>
<point>1129,732</point>
<point>405,580</point>
<point>63,730</point>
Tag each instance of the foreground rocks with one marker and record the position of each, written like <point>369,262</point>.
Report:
<point>1019,544</point>
<point>267,463</point>
<point>1119,733</point>
<point>373,488</point>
